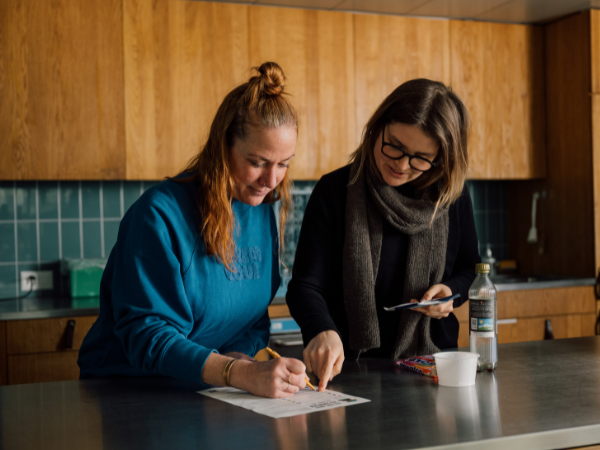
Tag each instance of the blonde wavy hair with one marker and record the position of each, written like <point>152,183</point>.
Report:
<point>440,114</point>
<point>261,102</point>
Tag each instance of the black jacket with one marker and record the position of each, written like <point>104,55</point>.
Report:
<point>315,293</point>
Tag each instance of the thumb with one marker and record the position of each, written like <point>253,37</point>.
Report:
<point>429,294</point>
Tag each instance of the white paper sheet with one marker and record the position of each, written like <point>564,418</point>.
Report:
<point>302,402</point>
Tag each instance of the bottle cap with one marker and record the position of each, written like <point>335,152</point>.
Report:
<point>482,268</point>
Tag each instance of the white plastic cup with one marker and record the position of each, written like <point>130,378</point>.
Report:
<point>456,369</point>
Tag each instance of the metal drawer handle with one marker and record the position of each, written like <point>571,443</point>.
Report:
<point>70,334</point>
<point>506,321</point>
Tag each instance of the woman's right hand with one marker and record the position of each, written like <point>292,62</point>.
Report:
<point>277,378</point>
<point>324,356</point>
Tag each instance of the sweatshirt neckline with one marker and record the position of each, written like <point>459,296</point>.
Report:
<point>240,207</point>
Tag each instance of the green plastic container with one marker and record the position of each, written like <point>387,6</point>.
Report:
<point>84,276</point>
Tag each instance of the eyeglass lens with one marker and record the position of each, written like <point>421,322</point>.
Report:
<point>416,162</point>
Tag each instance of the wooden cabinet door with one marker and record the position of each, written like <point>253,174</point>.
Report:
<point>595,81</point>
<point>391,50</point>
<point>316,51</point>
<point>498,72</point>
<point>37,350</point>
<point>181,59</point>
<point>532,329</point>
<point>43,367</point>
<point>46,335</point>
<point>522,314</point>
<point>61,85</point>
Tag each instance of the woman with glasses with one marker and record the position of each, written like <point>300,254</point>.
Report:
<point>394,226</point>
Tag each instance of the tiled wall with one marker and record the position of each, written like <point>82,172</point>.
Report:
<point>490,208</point>
<point>43,222</point>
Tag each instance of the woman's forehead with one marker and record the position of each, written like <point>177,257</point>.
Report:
<point>412,137</point>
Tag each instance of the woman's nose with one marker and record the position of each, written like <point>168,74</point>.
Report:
<point>269,178</point>
<point>403,164</point>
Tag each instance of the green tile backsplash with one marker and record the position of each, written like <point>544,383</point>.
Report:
<point>43,222</point>
<point>491,216</point>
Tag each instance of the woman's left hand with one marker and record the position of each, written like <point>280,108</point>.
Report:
<point>436,311</point>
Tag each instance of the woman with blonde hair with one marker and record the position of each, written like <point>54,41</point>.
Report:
<point>394,226</point>
<point>187,285</point>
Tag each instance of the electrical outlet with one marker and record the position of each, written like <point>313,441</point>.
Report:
<point>42,280</point>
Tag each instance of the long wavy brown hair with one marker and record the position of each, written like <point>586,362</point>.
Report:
<point>441,115</point>
<point>261,102</point>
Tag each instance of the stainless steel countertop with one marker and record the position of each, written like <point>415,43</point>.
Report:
<point>543,395</point>
<point>525,283</point>
<point>45,308</point>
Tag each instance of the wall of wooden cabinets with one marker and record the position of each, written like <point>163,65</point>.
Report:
<point>181,58</point>
<point>569,211</point>
<point>391,50</point>
<point>126,89</point>
<point>498,71</point>
<point>316,51</point>
<point>61,85</point>
<point>523,314</point>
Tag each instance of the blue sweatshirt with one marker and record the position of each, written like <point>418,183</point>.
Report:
<point>165,305</point>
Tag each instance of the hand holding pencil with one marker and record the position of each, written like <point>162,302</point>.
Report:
<point>276,378</point>
<point>274,354</point>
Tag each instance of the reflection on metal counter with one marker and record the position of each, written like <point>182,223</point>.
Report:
<point>462,412</point>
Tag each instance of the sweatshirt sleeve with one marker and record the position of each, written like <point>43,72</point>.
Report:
<point>152,314</point>
<point>463,272</point>
<point>253,340</point>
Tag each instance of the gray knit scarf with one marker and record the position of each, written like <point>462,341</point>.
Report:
<point>368,202</point>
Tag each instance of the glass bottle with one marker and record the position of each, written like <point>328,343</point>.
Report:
<point>483,325</point>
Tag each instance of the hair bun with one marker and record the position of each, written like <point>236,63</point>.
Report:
<point>271,79</point>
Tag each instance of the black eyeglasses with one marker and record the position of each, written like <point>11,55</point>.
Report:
<point>394,152</point>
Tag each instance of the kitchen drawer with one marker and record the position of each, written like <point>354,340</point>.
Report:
<point>45,335</point>
<point>540,302</point>
<point>532,329</point>
<point>567,326</point>
<point>39,368</point>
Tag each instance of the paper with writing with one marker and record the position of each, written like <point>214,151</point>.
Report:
<point>303,402</point>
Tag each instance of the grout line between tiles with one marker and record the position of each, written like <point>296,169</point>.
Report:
<point>122,198</point>
<point>12,263</point>
<point>88,219</point>
<point>16,240</point>
<point>58,204</point>
<point>80,198</point>
<point>102,252</point>
<point>37,223</point>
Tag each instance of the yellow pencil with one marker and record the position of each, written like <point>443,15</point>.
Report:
<point>274,354</point>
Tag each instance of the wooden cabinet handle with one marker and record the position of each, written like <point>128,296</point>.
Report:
<point>70,334</point>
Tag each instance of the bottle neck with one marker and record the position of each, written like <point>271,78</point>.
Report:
<point>483,274</point>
